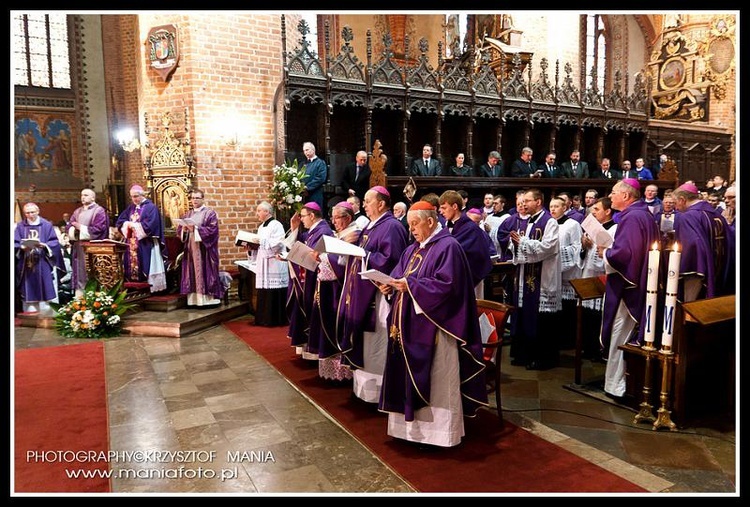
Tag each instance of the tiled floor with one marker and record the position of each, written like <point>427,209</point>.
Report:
<point>209,391</point>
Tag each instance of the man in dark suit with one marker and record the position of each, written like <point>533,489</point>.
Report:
<point>550,170</point>
<point>426,165</point>
<point>524,167</point>
<point>606,172</point>
<point>356,178</point>
<point>493,168</point>
<point>317,174</point>
<point>575,167</point>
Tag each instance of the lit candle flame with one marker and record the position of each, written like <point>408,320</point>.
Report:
<point>656,246</point>
<point>676,247</point>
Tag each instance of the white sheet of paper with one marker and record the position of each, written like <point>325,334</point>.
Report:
<point>330,244</point>
<point>302,255</point>
<point>376,276</point>
<point>184,221</point>
<point>596,231</point>
<point>485,327</point>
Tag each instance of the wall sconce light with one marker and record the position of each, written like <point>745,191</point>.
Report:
<point>232,140</point>
<point>127,140</point>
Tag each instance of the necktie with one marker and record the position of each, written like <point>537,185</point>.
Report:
<point>549,169</point>
<point>574,169</point>
<point>356,174</point>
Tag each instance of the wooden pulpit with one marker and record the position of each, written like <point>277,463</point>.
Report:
<point>104,261</point>
<point>585,289</point>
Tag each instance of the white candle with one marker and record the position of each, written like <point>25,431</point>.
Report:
<point>670,302</point>
<point>652,288</point>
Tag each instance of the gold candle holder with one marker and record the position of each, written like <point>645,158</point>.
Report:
<point>646,412</point>
<point>663,419</point>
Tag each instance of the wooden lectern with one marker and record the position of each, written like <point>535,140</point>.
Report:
<point>585,289</point>
<point>702,379</point>
<point>104,261</point>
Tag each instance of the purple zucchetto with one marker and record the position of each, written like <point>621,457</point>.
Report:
<point>474,211</point>
<point>312,205</point>
<point>632,182</point>
<point>689,187</point>
<point>381,190</point>
<point>344,204</point>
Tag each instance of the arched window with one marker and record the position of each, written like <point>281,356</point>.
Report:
<point>41,54</point>
<point>596,50</point>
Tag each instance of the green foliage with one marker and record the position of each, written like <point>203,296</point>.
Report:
<point>95,314</point>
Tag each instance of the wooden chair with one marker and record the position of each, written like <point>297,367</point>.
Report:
<point>497,315</point>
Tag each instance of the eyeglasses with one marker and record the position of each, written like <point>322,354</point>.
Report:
<point>304,216</point>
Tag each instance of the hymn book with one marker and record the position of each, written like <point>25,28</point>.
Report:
<point>302,255</point>
<point>330,244</point>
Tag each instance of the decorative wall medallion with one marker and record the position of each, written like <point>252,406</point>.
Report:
<point>719,54</point>
<point>164,49</point>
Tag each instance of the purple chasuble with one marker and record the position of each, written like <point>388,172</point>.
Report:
<point>384,242</point>
<point>302,284</point>
<point>35,268</point>
<point>628,256</point>
<point>200,261</point>
<point>439,281</point>
<point>703,235</point>
<point>98,228</point>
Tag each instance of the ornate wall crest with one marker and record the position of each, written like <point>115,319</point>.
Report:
<point>718,52</point>
<point>680,92</point>
<point>164,49</point>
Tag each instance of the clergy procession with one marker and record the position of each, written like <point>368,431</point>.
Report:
<point>386,305</point>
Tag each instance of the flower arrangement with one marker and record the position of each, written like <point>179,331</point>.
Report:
<point>288,185</point>
<point>95,314</point>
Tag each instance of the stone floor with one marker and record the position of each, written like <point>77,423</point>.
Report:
<point>209,392</point>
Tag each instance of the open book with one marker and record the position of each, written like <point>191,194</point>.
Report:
<point>330,244</point>
<point>30,242</point>
<point>108,241</point>
<point>302,255</point>
<point>246,238</point>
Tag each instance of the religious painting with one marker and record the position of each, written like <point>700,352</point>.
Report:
<point>673,73</point>
<point>171,197</point>
<point>44,151</point>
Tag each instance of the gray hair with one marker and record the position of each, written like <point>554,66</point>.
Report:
<point>266,206</point>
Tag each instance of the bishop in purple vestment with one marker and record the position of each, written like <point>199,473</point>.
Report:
<point>302,281</point>
<point>626,264</point>
<point>434,375</point>
<point>362,309</point>
<point>141,227</point>
<point>706,243</point>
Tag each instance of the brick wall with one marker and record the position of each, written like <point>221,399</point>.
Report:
<point>229,70</point>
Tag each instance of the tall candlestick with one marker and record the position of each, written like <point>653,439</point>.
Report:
<point>652,287</point>
<point>670,302</point>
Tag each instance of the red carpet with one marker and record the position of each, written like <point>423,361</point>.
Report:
<point>489,460</point>
<point>60,413</point>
